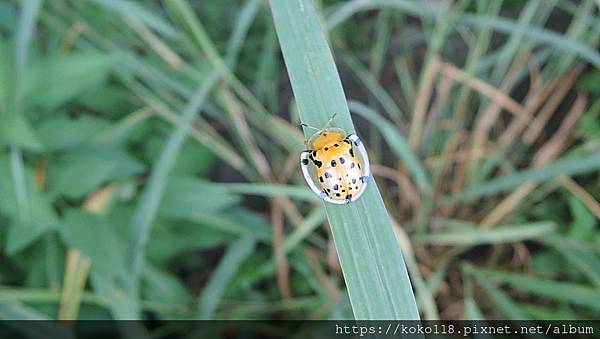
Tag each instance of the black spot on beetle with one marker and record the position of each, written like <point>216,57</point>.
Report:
<point>304,162</point>
<point>336,187</point>
<point>327,148</point>
<point>338,195</point>
<point>351,152</point>
<point>347,141</point>
<point>348,196</point>
<point>357,142</point>
<point>314,154</point>
<point>354,181</point>
<point>342,160</point>
<point>328,190</point>
<point>356,187</point>
<point>340,178</point>
<point>349,188</point>
<point>327,175</point>
<point>321,179</point>
<point>318,163</point>
<point>358,166</point>
<point>336,145</point>
<point>343,191</point>
<point>333,163</point>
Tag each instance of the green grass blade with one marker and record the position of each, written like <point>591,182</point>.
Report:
<point>26,28</point>
<point>311,222</point>
<point>150,199</point>
<point>504,303</point>
<point>244,21</point>
<point>259,116</point>
<point>586,261</point>
<point>569,166</point>
<point>372,84</point>
<point>18,176</point>
<point>27,20</point>
<point>236,254</point>
<point>372,264</point>
<point>473,236</point>
<point>396,142</point>
<point>537,34</point>
<point>272,190</point>
<point>556,290</point>
<point>137,11</point>
<point>498,24</point>
<point>349,8</point>
<point>292,241</point>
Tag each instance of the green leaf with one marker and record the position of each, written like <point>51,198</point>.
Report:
<point>234,257</point>
<point>149,203</point>
<point>244,20</point>
<point>591,82</point>
<point>81,170</point>
<point>499,24</point>
<point>550,312</point>
<point>195,158</point>
<point>62,132</point>
<point>547,264</point>
<point>584,259</point>
<point>108,99</point>
<point>556,290</point>
<point>373,267</point>
<point>7,76</point>
<point>568,166</point>
<point>186,194</point>
<point>473,236</point>
<point>164,287</point>
<point>15,129</point>
<point>584,222</point>
<point>8,16</point>
<point>272,190</point>
<point>169,240</point>
<point>95,237</point>
<point>137,11</point>
<point>504,303</point>
<point>21,234</point>
<point>25,32</point>
<point>42,217</point>
<point>57,79</point>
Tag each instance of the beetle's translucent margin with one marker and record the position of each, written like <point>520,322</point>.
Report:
<point>309,180</point>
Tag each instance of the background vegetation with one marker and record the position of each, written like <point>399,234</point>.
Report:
<point>481,119</point>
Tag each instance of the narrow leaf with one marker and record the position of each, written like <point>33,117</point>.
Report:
<point>235,256</point>
<point>149,202</point>
<point>373,267</point>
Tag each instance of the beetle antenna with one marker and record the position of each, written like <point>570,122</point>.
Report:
<point>309,126</point>
<point>330,120</point>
